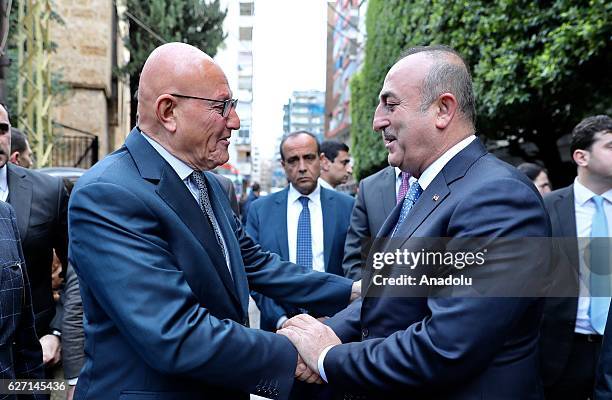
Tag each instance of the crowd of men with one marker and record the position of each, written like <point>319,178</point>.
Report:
<point>165,258</point>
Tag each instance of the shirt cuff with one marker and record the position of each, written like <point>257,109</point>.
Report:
<point>281,321</point>
<point>320,363</point>
<point>73,381</point>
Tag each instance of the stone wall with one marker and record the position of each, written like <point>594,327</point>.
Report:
<point>89,46</point>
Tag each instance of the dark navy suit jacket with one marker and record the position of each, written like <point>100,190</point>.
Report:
<point>164,317</point>
<point>20,351</point>
<point>267,225</point>
<point>452,347</point>
<point>561,307</point>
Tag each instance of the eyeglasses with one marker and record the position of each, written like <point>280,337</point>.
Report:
<point>227,104</point>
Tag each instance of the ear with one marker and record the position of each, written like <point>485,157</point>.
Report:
<point>581,157</point>
<point>165,109</point>
<point>324,162</point>
<point>445,110</point>
<point>283,163</point>
<point>14,158</point>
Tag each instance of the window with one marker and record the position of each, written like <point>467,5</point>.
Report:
<point>246,33</point>
<point>245,83</point>
<point>244,132</point>
<point>247,9</point>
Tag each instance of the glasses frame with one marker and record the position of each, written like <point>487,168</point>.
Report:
<point>227,104</point>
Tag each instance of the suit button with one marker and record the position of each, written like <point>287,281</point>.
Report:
<point>365,332</point>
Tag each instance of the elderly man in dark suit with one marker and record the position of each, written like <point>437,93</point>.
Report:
<point>20,352</point>
<point>165,267</point>
<point>40,202</point>
<point>459,346</point>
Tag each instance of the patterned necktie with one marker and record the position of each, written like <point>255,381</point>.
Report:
<point>304,238</point>
<point>599,255</point>
<point>206,207</point>
<point>403,189</point>
<point>413,195</point>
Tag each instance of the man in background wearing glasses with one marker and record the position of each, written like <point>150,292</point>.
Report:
<point>165,266</point>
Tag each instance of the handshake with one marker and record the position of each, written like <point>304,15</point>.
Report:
<point>311,337</point>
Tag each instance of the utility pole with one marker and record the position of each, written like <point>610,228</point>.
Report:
<point>4,59</point>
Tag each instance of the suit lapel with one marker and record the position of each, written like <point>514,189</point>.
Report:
<point>233,248</point>
<point>279,223</point>
<point>328,206</point>
<point>176,195</point>
<point>431,198</point>
<point>566,220</point>
<point>20,197</point>
<point>389,197</point>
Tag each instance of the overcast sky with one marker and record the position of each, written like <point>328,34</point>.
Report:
<point>289,50</point>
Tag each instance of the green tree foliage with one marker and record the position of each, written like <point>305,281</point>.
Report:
<point>196,22</point>
<point>539,67</point>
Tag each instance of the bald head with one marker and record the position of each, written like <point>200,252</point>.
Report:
<point>170,68</point>
<point>185,104</point>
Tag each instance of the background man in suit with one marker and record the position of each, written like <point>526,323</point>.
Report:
<point>40,202</point>
<point>336,168</point>
<point>377,196</point>
<point>20,353</point>
<point>21,153</point>
<point>439,347</point>
<point>228,187</point>
<point>244,207</point>
<point>304,223</point>
<point>572,327</point>
<point>164,266</point>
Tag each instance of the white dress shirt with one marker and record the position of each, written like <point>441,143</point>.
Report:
<point>294,208</point>
<point>425,180</point>
<point>184,172</point>
<point>585,210</point>
<point>4,190</point>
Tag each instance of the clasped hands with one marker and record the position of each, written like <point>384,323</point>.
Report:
<point>310,337</point>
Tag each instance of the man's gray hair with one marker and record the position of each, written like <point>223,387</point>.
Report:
<point>446,76</point>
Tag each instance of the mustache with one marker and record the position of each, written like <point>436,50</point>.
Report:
<point>388,136</point>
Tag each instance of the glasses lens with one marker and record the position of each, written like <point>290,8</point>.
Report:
<point>227,107</point>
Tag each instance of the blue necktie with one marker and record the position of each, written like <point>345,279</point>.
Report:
<point>413,195</point>
<point>599,255</point>
<point>304,238</point>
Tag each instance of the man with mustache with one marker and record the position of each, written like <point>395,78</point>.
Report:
<point>305,223</point>
<point>455,344</point>
<point>40,202</point>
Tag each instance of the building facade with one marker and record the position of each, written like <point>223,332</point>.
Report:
<point>305,110</point>
<point>97,101</point>
<point>345,51</point>
<point>235,56</point>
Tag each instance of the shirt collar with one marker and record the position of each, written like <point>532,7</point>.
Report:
<point>294,195</point>
<point>434,169</point>
<point>182,170</point>
<point>3,180</point>
<point>325,184</point>
<point>397,172</point>
<point>582,194</point>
